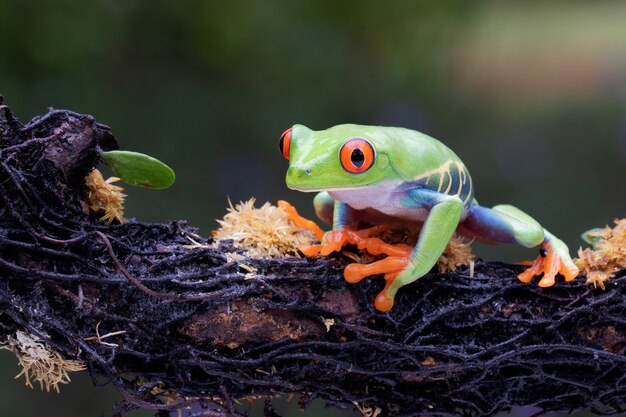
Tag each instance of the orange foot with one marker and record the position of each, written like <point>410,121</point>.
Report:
<point>398,257</point>
<point>336,239</point>
<point>549,263</point>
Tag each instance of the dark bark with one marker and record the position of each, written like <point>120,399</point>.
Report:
<point>196,324</point>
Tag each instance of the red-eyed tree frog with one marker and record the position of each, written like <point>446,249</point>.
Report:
<point>389,176</point>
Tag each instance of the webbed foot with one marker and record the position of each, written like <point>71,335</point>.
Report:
<point>397,260</point>
<point>334,240</point>
<point>554,259</point>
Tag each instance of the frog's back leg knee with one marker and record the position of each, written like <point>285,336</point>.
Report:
<point>502,224</point>
<point>324,205</point>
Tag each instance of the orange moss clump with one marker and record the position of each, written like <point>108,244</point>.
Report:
<point>102,197</point>
<point>608,255</point>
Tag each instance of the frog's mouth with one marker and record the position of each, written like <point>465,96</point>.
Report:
<point>313,189</point>
<point>328,189</point>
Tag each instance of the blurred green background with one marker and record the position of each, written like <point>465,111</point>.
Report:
<point>532,96</point>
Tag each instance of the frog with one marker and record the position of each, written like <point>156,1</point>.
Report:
<point>371,178</point>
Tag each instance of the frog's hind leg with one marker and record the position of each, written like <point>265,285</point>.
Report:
<point>501,224</point>
<point>508,224</point>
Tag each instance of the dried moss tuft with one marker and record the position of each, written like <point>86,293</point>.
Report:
<point>457,253</point>
<point>264,232</point>
<point>367,411</point>
<point>40,363</point>
<point>608,255</point>
<point>102,197</point>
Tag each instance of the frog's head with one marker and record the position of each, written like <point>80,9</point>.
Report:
<point>339,158</point>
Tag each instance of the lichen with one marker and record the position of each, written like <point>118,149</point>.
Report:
<point>40,363</point>
<point>262,232</point>
<point>606,257</point>
<point>102,197</point>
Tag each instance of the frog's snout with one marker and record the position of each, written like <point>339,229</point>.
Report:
<point>297,176</point>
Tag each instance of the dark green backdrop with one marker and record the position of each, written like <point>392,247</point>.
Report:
<point>531,95</point>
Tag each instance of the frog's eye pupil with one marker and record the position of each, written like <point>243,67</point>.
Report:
<point>357,155</point>
<point>357,158</point>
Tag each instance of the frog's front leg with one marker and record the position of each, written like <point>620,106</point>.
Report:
<point>508,224</point>
<point>435,234</point>
<point>324,206</point>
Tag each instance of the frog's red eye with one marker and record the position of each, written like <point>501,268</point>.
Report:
<point>356,155</point>
<point>285,143</point>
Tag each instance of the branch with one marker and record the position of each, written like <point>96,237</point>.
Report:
<point>164,323</point>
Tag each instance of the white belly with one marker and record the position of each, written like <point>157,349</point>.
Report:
<point>380,197</point>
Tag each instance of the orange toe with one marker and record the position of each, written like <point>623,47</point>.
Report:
<point>528,274</point>
<point>569,272</point>
<point>335,240</point>
<point>391,264</point>
<point>549,264</point>
<point>300,221</point>
<point>328,248</point>
<point>310,250</point>
<point>384,300</point>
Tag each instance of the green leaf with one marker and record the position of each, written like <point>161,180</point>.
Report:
<point>592,236</point>
<point>139,169</point>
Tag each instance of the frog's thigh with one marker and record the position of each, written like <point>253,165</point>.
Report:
<point>502,224</point>
<point>324,207</point>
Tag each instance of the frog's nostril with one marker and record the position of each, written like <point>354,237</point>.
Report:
<point>307,172</point>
